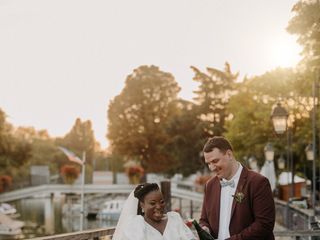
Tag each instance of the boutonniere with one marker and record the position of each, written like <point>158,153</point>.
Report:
<point>239,196</point>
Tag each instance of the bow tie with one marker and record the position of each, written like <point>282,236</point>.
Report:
<point>227,183</point>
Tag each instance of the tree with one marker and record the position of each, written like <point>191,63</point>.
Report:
<point>44,150</point>
<point>138,117</point>
<point>14,151</point>
<point>186,139</point>
<point>306,24</point>
<point>250,127</point>
<point>215,89</point>
<point>81,138</point>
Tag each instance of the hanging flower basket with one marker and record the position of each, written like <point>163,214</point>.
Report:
<point>134,172</point>
<point>5,183</point>
<point>69,173</point>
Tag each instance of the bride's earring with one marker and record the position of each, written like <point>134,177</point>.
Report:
<point>142,210</point>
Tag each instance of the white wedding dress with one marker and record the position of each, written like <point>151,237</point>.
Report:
<point>138,229</point>
<point>133,227</point>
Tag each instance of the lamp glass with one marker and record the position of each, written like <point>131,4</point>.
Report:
<point>269,155</point>
<point>310,155</point>
<point>269,152</point>
<point>279,124</point>
<point>309,152</point>
<point>253,164</point>
<point>281,163</point>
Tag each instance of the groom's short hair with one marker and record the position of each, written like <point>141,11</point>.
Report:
<point>217,142</point>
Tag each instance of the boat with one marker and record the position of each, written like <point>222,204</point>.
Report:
<point>9,226</point>
<point>7,209</point>
<point>73,210</point>
<point>111,209</point>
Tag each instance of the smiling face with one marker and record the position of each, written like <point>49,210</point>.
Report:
<point>223,164</point>
<point>153,206</point>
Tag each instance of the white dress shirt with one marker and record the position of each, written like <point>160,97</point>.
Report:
<point>226,200</point>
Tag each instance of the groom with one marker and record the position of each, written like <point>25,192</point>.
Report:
<point>238,203</point>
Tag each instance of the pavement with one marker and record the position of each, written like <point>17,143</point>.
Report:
<point>278,227</point>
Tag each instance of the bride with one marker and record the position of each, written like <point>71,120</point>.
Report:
<point>143,218</point>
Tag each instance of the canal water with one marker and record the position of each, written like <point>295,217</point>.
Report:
<point>45,216</point>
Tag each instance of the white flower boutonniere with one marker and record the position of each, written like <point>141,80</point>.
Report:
<point>239,196</point>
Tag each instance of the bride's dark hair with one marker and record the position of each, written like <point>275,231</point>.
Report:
<point>142,190</point>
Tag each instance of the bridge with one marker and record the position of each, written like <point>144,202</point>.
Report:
<point>57,189</point>
<point>178,190</point>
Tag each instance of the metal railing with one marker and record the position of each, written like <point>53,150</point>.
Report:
<point>106,233</point>
<point>88,188</point>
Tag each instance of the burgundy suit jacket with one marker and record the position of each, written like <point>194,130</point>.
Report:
<point>252,218</point>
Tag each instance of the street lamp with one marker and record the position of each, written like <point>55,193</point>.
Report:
<point>281,162</point>
<point>268,167</point>
<point>253,164</point>
<point>310,154</point>
<point>269,152</point>
<point>279,118</point>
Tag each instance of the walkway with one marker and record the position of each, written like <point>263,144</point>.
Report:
<point>279,228</point>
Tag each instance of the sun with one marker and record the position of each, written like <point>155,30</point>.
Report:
<point>284,51</point>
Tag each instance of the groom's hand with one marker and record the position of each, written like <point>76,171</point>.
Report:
<point>206,229</point>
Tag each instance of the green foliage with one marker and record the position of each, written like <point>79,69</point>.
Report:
<point>79,139</point>
<point>43,148</point>
<point>14,151</point>
<point>102,161</point>
<point>138,117</point>
<point>306,24</point>
<point>186,136</point>
<point>215,89</point>
<point>251,127</point>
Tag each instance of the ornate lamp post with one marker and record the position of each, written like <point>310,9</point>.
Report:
<point>268,167</point>
<point>279,118</point>
<point>310,154</point>
<point>269,152</point>
<point>281,162</point>
<point>253,163</point>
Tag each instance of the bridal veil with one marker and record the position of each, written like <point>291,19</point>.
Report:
<point>129,210</point>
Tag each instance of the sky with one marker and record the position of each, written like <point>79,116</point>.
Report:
<point>64,59</point>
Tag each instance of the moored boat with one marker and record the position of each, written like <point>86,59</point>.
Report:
<point>9,226</point>
<point>111,209</point>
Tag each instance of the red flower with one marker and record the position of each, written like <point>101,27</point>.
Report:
<point>70,173</point>
<point>188,223</point>
<point>135,170</point>
<point>5,182</point>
